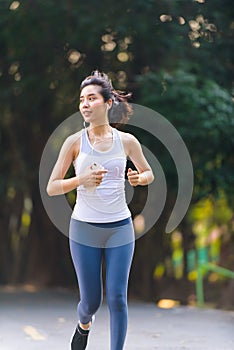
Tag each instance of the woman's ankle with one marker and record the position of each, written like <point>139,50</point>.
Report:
<point>85,327</point>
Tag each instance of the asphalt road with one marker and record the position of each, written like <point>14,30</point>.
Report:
<point>46,320</point>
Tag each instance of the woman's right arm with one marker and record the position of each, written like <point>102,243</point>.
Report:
<point>89,178</point>
<point>57,184</point>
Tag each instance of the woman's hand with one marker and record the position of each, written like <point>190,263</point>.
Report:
<point>93,176</point>
<point>143,174</point>
<point>133,177</point>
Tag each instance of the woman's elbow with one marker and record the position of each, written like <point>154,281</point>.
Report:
<point>151,179</point>
<point>49,190</point>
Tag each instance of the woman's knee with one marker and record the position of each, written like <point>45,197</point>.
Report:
<point>117,301</point>
<point>89,308</point>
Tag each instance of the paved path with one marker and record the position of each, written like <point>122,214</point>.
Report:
<point>45,320</point>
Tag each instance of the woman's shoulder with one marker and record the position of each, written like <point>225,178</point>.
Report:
<point>73,142</point>
<point>129,141</point>
<point>76,137</point>
<point>126,137</point>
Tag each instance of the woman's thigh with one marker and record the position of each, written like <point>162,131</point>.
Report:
<point>88,266</point>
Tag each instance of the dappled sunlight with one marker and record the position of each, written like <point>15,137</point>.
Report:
<point>139,224</point>
<point>73,56</point>
<point>201,28</point>
<point>165,18</point>
<point>181,20</point>
<point>14,5</point>
<point>168,303</point>
<point>123,56</point>
<point>108,46</point>
<point>109,43</point>
<point>28,288</point>
<point>122,77</point>
<point>196,45</point>
<point>19,224</point>
<point>17,77</point>
<point>13,69</point>
<point>33,333</point>
<point>11,192</point>
<point>61,320</point>
<point>26,216</point>
<point>194,25</point>
<point>177,254</point>
<point>214,277</point>
<point>159,271</point>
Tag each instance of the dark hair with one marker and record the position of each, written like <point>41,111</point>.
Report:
<point>121,109</point>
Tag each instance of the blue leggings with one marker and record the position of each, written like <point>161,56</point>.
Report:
<point>87,261</point>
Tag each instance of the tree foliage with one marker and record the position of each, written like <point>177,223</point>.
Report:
<point>203,114</point>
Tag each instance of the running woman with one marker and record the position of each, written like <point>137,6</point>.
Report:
<point>101,228</point>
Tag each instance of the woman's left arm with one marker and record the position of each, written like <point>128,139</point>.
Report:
<point>144,174</point>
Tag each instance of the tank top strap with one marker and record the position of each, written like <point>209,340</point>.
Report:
<point>85,146</point>
<point>117,140</point>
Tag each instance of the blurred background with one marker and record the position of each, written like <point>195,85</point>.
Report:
<point>177,59</point>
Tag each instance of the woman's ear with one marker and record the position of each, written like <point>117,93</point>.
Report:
<point>109,104</point>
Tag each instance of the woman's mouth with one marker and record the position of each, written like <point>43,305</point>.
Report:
<point>86,113</point>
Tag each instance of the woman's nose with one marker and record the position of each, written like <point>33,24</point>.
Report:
<point>85,103</point>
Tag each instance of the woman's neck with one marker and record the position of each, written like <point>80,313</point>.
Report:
<point>100,137</point>
<point>99,130</point>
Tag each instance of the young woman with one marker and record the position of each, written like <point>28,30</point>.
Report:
<point>101,227</point>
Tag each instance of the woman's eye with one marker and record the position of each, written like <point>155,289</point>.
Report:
<point>91,98</point>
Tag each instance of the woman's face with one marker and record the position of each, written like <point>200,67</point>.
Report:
<point>92,105</point>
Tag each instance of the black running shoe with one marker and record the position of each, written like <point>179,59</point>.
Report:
<point>80,339</point>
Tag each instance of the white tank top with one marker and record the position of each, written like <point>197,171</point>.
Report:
<point>106,202</point>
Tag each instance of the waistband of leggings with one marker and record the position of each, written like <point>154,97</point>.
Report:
<point>111,224</point>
